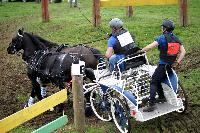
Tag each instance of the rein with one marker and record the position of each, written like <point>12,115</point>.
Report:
<point>102,30</point>
<point>92,41</point>
<point>62,46</point>
<point>85,54</point>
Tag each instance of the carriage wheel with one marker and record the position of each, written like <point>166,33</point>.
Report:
<point>181,94</point>
<point>100,103</point>
<point>120,114</point>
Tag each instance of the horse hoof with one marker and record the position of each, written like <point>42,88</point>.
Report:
<point>25,105</point>
<point>59,108</point>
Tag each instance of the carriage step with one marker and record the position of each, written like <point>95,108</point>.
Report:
<point>161,109</point>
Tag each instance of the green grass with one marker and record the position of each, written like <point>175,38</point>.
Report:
<point>22,129</point>
<point>191,84</point>
<point>101,128</point>
<point>21,97</point>
<point>69,25</point>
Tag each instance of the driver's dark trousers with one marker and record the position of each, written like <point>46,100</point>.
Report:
<point>155,85</point>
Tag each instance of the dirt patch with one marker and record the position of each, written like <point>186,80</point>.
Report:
<point>191,60</point>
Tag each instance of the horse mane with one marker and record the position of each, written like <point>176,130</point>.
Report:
<point>47,43</point>
<point>40,42</point>
<point>36,41</point>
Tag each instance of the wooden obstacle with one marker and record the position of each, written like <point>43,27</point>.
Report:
<point>117,3</point>
<point>78,96</point>
<point>28,113</point>
<point>50,127</point>
<point>128,3</point>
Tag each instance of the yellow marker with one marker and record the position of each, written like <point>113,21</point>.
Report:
<point>26,114</point>
<point>119,3</point>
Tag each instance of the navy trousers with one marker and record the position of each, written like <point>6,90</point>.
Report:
<point>155,85</point>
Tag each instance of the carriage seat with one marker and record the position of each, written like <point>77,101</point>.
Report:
<point>134,60</point>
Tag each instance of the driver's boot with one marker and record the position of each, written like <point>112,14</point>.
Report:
<point>150,108</point>
<point>161,100</point>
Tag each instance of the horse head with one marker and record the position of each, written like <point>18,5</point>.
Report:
<point>16,44</point>
<point>27,42</point>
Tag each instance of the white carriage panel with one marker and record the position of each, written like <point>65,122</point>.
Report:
<point>101,73</point>
<point>161,109</point>
<point>112,81</point>
<point>170,95</point>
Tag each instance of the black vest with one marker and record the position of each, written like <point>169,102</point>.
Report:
<point>169,52</point>
<point>118,49</point>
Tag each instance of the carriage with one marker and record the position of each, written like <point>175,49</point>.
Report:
<point>120,95</point>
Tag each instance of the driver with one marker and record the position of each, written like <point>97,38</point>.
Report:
<point>169,46</point>
<point>116,43</point>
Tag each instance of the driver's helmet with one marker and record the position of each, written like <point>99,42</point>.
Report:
<point>116,23</point>
<point>168,24</point>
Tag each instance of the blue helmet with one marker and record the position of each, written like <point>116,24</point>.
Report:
<point>168,24</point>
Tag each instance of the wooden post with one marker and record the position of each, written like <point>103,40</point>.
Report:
<point>129,11</point>
<point>70,3</point>
<point>45,12</point>
<point>78,97</point>
<point>96,13</point>
<point>37,1</point>
<point>183,13</point>
<point>76,3</point>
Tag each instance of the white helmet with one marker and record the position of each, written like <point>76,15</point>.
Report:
<point>116,22</point>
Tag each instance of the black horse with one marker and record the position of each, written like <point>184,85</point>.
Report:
<point>51,62</point>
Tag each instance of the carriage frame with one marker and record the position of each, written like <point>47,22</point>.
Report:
<point>119,95</point>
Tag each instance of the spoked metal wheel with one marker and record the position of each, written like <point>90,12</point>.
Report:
<point>181,94</point>
<point>120,115</point>
<point>100,103</point>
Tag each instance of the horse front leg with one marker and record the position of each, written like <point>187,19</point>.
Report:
<point>43,87</point>
<point>35,89</point>
<point>39,91</point>
<point>34,92</point>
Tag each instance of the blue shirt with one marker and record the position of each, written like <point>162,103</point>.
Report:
<point>162,42</point>
<point>112,41</point>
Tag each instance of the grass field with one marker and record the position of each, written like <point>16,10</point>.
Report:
<point>71,26</point>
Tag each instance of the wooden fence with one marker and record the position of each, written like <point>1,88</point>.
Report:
<point>36,109</point>
<point>97,4</point>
